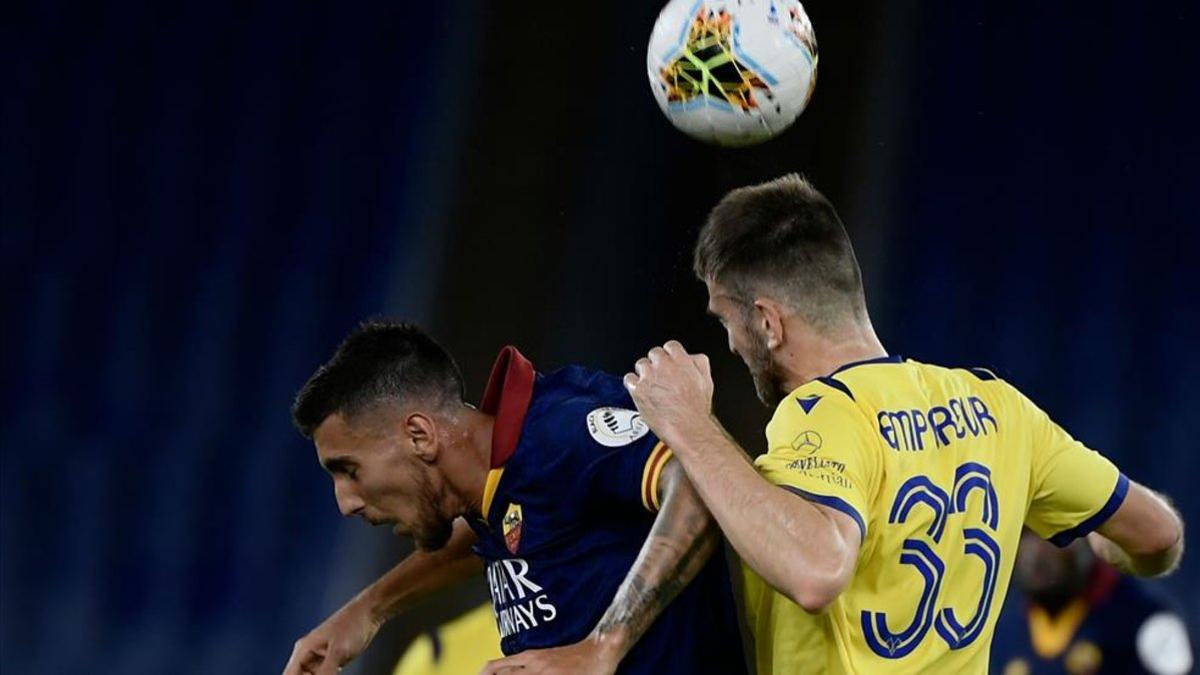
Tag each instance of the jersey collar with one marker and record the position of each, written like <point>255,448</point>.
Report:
<point>894,358</point>
<point>506,397</point>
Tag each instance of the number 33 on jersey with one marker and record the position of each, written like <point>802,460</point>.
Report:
<point>940,468</point>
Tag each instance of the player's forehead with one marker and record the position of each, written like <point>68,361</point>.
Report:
<point>333,435</point>
<point>719,297</point>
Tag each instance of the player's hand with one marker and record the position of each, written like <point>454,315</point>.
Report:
<point>334,643</point>
<point>588,657</point>
<point>671,388</point>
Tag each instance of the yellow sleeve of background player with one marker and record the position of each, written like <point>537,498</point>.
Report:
<point>1074,488</point>
<point>820,446</point>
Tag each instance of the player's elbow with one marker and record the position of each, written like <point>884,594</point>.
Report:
<point>816,587</point>
<point>1156,547</point>
<point>1168,536</point>
<point>813,602</point>
<point>813,595</point>
<point>828,569</point>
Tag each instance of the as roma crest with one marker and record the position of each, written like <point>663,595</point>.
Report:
<point>512,527</point>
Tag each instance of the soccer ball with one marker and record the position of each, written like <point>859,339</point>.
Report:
<point>732,73</point>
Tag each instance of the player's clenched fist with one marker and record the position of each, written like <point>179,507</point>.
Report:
<point>671,388</point>
<point>334,643</point>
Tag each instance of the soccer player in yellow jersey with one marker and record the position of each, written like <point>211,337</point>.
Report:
<point>880,528</point>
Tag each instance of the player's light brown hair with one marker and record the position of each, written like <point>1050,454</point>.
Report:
<point>783,237</point>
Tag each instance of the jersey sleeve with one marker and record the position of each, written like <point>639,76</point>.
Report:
<point>623,459</point>
<point>821,448</point>
<point>1074,488</point>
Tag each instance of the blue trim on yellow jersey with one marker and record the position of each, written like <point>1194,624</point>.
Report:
<point>1110,507</point>
<point>836,384</point>
<point>894,358</point>
<point>833,503</point>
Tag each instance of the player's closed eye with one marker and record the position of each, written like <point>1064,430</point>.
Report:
<point>342,467</point>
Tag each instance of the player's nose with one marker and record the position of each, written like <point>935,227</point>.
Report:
<point>348,501</point>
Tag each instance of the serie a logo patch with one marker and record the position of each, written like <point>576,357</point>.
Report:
<point>614,427</point>
<point>511,526</point>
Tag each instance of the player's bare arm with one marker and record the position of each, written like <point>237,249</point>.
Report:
<point>805,550</point>
<point>1144,537</point>
<point>682,539</point>
<point>347,632</point>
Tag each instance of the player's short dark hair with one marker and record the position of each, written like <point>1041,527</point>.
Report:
<point>379,361</point>
<point>786,236</point>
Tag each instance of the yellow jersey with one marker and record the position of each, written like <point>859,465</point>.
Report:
<point>940,468</point>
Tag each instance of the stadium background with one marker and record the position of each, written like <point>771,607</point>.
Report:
<point>198,199</point>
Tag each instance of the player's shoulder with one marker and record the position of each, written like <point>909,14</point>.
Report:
<point>821,400</point>
<point>571,383</point>
<point>973,373</point>
<point>579,405</point>
<point>853,384</point>
<point>854,388</point>
<point>974,377</point>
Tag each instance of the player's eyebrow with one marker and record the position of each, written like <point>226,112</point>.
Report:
<point>338,464</point>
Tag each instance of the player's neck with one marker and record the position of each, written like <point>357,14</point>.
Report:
<point>817,355</point>
<point>467,483</point>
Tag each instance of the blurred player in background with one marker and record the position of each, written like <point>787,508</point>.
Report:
<point>588,532</point>
<point>893,493</point>
<point>1078,616</point>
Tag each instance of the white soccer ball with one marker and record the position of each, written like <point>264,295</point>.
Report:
<point>732,73</point>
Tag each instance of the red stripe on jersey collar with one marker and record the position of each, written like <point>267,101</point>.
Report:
<point>507,395</point>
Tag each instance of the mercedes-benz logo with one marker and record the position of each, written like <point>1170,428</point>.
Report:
<point>807,442</point>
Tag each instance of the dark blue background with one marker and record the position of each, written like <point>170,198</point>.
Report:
<point>198,200</point>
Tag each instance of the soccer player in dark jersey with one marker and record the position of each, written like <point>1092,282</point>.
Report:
<point>597,550</point>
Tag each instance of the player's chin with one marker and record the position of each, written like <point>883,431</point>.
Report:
<point>433,538</point>
<point>768,391</point>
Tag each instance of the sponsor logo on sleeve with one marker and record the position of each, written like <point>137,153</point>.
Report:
<point>614,427</point>
<point>807,442</point>
<point>808,403</point>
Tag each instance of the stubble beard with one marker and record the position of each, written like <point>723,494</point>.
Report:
<point>434,531</point>
<point>768,377</point>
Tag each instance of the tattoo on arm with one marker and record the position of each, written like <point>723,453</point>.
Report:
<point>681,541</point>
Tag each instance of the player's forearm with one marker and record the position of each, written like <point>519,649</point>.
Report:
<point>421,574</point>
<point>791,543</point>
<point>681,541</point>
<point>1144,537</point>
<point>1151,564</point>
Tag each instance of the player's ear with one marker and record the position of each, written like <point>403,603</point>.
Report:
<point>421,435</point>
<point>768,314</point>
